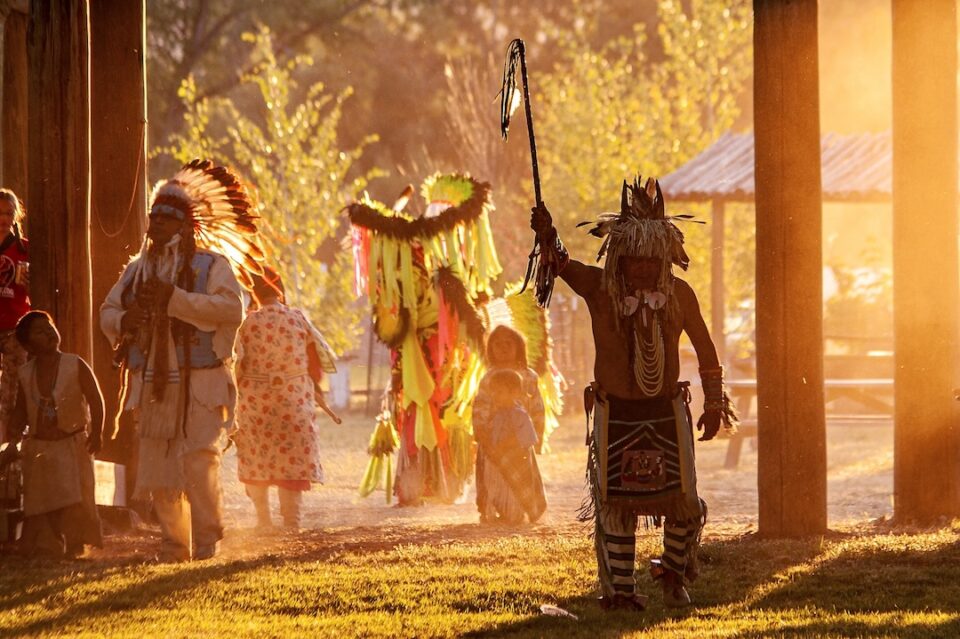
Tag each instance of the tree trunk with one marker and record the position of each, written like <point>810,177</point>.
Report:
<point>118,203</point>
<point>59,168</point>
<point>925,261</point>
<point>15,103</point>
<point>792,469</point>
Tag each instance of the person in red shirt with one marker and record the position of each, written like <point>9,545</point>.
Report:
<point>14,301</point>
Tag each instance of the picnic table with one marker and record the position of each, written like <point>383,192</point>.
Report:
<point>873,394</point>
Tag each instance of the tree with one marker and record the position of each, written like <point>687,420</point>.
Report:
<point>200,38</point>
<point>302,178</point>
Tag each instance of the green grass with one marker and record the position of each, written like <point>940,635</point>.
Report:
<point>422,581</point>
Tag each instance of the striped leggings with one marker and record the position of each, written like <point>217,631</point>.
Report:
<point>616,538</point>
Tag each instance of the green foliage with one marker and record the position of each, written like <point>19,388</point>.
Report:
<point>302,178</point>
<point>620,86</point>
<point>197,140</point>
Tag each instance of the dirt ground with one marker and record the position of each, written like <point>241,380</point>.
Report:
<point>860,461</point>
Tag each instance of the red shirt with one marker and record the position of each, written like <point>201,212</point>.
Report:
<point>14,300</point>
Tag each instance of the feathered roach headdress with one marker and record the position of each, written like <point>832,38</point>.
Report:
<point>640,229</point>
<point>215,204</point>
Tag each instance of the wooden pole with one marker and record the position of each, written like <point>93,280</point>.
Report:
<point>59,168</point>
<point>14,127</point>
<point>792,467</point>
<point>118,140</point>
<point>925,261</point>
<point>718,300</point>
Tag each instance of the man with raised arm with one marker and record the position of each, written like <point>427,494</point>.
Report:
<point>641,451</point>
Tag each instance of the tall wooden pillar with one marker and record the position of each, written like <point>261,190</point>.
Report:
<point>925,287</point>
<point>13,130</point>
<point>59,167</point>
<point>792,469</point>
<point>118,114</point>
<point>718,301</point>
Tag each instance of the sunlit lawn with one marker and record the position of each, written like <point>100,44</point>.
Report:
<point>429,583</point>
<point>367,569</point>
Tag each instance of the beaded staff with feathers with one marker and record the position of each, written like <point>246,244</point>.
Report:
<point>544,261</point>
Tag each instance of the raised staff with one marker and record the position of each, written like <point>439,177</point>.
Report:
<point>548,255</point>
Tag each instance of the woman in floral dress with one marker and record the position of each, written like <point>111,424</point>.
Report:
<point>280,360</point>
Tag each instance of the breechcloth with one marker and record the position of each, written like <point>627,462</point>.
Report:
<point>641,464</point>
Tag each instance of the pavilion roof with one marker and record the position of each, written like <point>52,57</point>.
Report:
<point>854,168</point>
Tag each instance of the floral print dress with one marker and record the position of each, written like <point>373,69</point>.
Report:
<point>276,411</point>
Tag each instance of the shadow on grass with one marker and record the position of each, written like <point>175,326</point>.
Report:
<point>883,579</point>
<point>848,586</point>
<point>140,593</point>
<point>744,564</point>
<point>26,582</point>
<point>857,628</point>
<point>874,584</point>
<point>908,585</point>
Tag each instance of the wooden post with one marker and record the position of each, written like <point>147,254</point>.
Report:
<point>792,467</point>
<point>58,191</point>
<point>925,261</point>
<point>118,140</point>
<point>14,127</point>
<point>718,303</point>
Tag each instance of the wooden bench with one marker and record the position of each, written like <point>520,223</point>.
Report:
<point>874,394</point>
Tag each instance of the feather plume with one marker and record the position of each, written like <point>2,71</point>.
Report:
<point>454,231</point>
<point>509,95</point>
<point>456,296</point>
<point>401,202</point>
<point>222,213</point>
<point>403,227</point>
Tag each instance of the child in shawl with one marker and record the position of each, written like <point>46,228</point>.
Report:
<point>507,420</point>
<point>511,426</point>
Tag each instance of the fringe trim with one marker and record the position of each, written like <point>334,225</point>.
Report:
<point>589,509</point>
<point>729,415</point>
<point>546,260</point>
<point>674,507</point>
<point>159,418</point>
